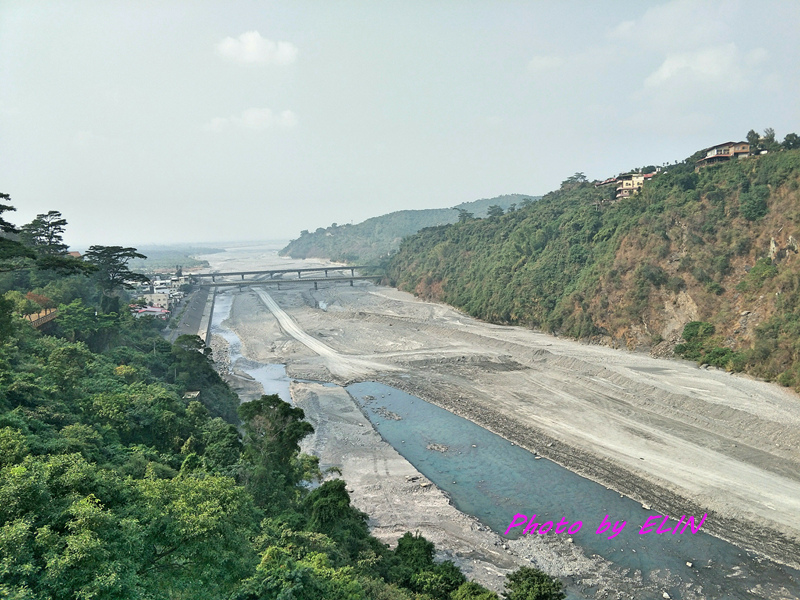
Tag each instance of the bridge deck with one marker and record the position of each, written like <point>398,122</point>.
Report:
<point>276,271</point>
<point>314,280</point>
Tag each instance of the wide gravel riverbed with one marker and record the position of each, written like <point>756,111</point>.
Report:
<point>679,439</point>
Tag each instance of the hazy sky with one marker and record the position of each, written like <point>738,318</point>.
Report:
<point>147,122</point>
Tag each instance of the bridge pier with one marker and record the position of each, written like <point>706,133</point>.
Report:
<point>315,286</point>
<point>352,272</point>
<point>351,283</point>
<point>242,276</point>
<point>298,275</point>
<point>213,278</point>
<point>326,272</point>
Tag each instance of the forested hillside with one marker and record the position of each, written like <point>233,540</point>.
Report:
<point>114,484</point>
<point>166,258</point>
<point>375,238</point>
<point>716,250</point>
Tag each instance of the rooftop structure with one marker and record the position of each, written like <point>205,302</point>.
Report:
<point>724,152</point>
<point>151,311</point>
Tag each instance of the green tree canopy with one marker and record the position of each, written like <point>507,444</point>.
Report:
<point>473,591</point>
<point>5,226</point>
<point>13,255</point>
<point>464,215</point>
<point>112,266</point>
<point>527,583</point>
<point>45,233</point>
<point>753,139</point>
<point>274,428</point>
<point>768,141</point>
<point>495,211</point>
<point>791,141</point>
<point>576,178</point>
<point>573,181</point>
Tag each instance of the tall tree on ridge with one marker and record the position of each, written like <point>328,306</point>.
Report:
<point>45,233</point>
<point>5,226</point>
<point>791,141</point>
<point>13,255</point>
<point>113,274</point>
<point>112,266</point>
<point>753,139</point>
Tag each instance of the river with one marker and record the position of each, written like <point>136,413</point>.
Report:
<point>493,479</point>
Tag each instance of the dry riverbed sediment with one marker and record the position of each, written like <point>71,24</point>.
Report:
<point>681,439</point>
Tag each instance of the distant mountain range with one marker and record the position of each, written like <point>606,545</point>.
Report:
<point>378,237</point>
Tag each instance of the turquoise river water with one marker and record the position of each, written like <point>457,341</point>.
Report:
<point>492,479</point>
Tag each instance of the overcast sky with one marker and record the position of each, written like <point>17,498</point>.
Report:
<point>158,122</point>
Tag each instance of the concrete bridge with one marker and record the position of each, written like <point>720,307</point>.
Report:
<point>273,272</point>
<point>315,280</point>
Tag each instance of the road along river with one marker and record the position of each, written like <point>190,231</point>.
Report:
<point>682,440</point>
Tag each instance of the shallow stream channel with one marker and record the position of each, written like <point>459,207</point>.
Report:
<point>271,377</point>
<point>492,479</point>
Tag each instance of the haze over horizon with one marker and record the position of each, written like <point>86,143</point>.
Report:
<point>171,122</point>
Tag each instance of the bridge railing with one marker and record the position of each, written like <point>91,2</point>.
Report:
<point>272,272</point>
<point>308,280</point>
<point>41,318</point>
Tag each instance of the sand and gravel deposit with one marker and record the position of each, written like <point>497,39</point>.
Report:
<point>671,435</point>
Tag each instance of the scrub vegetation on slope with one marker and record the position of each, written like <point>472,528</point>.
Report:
<point>715,250</point>
<point>375,238</point>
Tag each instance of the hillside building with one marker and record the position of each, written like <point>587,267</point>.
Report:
<point>724,152</point>
<point>157,298</point>
<point>630,183</point>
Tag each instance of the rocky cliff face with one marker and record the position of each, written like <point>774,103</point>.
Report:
<point>737,304</point>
